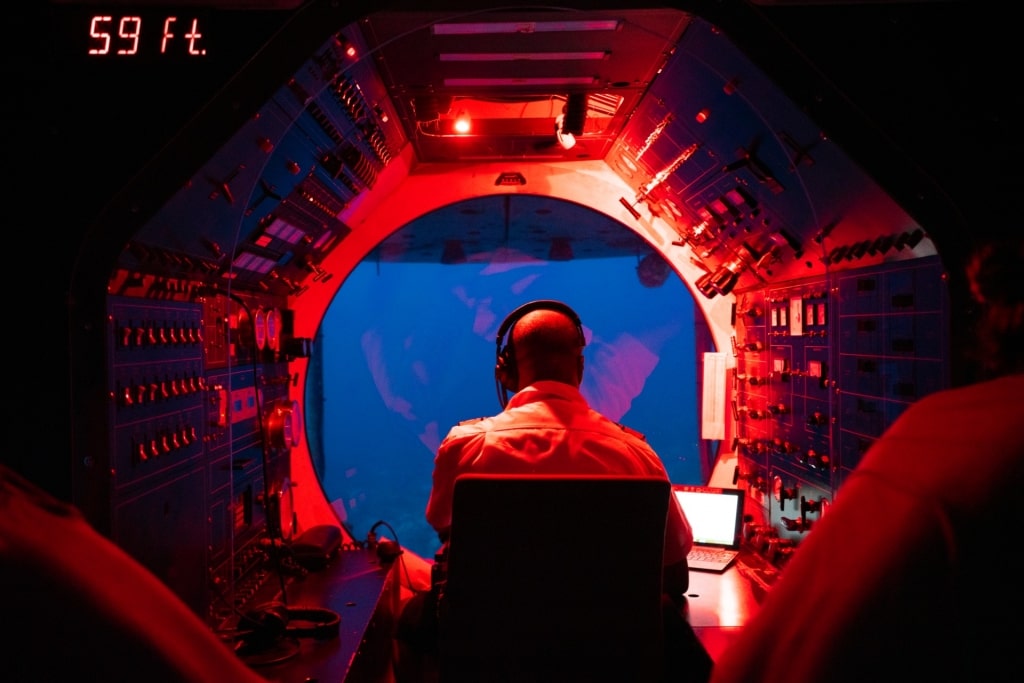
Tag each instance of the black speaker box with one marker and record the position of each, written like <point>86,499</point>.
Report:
<point>575,114</point>
<point>315,547</point>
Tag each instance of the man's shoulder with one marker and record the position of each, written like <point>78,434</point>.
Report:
<point>632,432</point>
<point>474,425</point>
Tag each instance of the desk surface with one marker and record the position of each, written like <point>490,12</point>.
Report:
<point>719,604</point>
<point>359,588</point>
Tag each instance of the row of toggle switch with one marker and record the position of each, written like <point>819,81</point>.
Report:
<point>153,334</point>
<point>809,458</point>
<point>765,540</point>
<point>773,410</point>
<point>160,390</point>
<point>805,333</point>
<point>165,443</point>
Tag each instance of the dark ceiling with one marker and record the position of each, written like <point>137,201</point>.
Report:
<point>933,79</point>
<point>920,99</point>
<point>513,72</point>
<point>936,79</point>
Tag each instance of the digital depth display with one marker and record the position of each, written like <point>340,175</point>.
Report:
<point>119,35</point>
<point>137,33</point>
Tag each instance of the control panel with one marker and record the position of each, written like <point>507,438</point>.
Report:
<point>201,424</point>
<point>186,414</point>
<point>823,367</point>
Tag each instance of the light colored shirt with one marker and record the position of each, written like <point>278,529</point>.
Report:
<point>549,428</point>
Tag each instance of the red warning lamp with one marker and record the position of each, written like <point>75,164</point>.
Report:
<point>462,124</point>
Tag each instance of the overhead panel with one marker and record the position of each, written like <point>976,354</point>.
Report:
<point>515,79</point>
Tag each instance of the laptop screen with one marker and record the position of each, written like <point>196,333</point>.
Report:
<point>715,514</point>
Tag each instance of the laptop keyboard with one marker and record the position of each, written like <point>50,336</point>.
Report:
<point>709,555</point>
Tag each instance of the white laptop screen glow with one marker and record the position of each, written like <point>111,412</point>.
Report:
<point>711,514</point>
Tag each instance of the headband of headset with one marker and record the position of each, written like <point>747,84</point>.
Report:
<point>505,371</point>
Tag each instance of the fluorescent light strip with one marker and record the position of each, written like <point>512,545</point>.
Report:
<point>284,230</point>
<point>252,262</point>
<point>478,82</point>
<point>519,56</point>
<point>481,28</point>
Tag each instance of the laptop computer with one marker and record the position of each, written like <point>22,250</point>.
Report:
<point>716,518</point>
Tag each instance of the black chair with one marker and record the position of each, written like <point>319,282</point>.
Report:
<point>554,579</point>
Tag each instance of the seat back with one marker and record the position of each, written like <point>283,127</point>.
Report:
<point>554,578</point>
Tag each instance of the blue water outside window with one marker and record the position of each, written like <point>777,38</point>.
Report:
<point>406,350</point>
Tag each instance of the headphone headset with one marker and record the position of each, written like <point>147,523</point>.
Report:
<point>263,626</point>
<point>506,375</point>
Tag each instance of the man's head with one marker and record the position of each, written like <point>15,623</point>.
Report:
<point>543,340</point>
<point>993,275</point>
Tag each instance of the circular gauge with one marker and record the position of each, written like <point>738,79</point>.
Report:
<point>259,323</point>
<point>284,425</point>
<point>293,425</point>
<point>274,329</point>
<point>281,510</point>
<point>243,329</point>
<point>626,165</point>
<point>672,209</point>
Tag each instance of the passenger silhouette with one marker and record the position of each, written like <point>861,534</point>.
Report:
<point>545,427</point>
<point>912,573</point>
<point>80,606</point>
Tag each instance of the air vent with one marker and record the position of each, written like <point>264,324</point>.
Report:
<point>507,179</point>
<point>360,165</point>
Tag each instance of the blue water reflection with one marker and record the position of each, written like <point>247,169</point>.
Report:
<point>408,349</point>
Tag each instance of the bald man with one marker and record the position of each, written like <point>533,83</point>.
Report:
<point>547,427</point>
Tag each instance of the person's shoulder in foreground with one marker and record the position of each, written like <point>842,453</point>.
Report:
<point>910,574</point>
<point>83,604</point>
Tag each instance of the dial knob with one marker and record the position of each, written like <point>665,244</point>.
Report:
<point>284,424</point>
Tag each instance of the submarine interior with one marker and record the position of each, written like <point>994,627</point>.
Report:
<point>807,176</point>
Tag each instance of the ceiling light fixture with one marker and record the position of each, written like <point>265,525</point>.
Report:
<point>521,56</point>
<point>512,82</point>
<point>565,139</point>
<point>463,124</point>
<point>575,111</point>
<point>482,28</point>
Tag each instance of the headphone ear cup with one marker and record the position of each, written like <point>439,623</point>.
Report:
<point>505,370</point>
<point>506,374</point>
<point>267,624</point>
